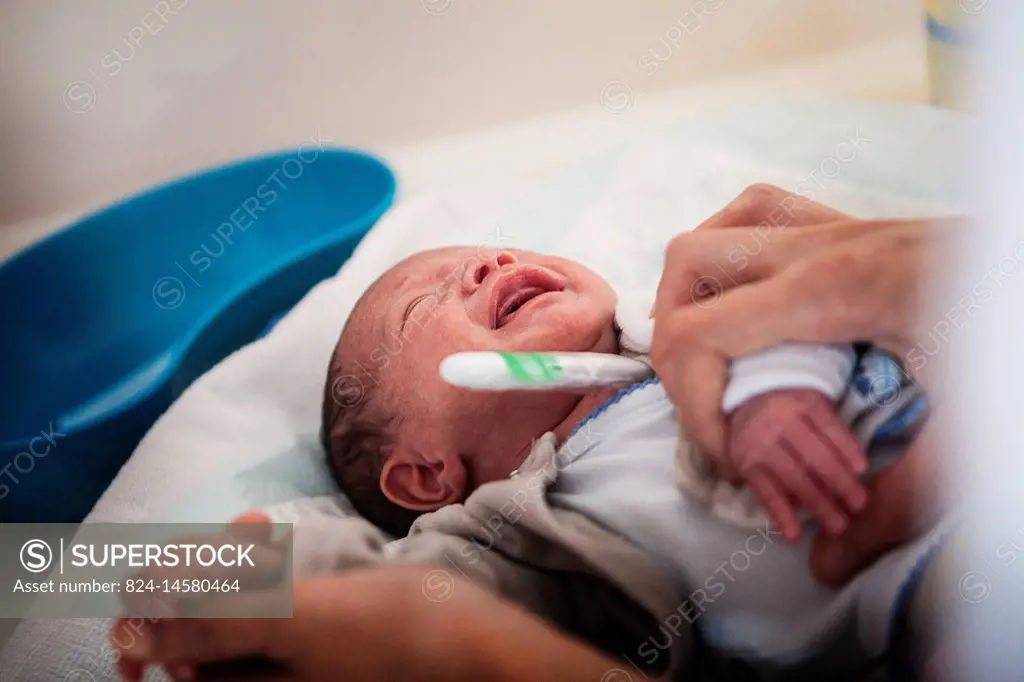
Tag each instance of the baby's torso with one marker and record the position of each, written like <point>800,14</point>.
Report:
<point>749,593</point>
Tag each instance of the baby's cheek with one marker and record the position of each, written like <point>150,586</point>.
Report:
<point>440,336</point>
<point>591,328</point>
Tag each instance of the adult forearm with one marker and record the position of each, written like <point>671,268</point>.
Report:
<point>507,644</point>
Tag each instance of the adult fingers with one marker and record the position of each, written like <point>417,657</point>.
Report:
<point>741,321</point>
<point>764,203</point>
<point>253,525</point>
<point>693,373</point>
<point>169,591</point>
<point>700,266</point>
<point>827,288</point>
<point>200,640</point>
<point>694,378</point>
<point>348,603</point>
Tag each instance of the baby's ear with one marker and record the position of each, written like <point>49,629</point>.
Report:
<point>421,480</point>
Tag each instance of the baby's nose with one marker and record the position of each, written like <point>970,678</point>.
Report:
<point>483,266</point>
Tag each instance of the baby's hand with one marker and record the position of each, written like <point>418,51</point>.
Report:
<point>793,451</point>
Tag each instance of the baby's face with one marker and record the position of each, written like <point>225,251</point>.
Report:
<point>457,299</point>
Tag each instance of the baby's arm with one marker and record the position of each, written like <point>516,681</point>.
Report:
<point>786,438</point>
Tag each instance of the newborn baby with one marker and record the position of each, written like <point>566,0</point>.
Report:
<point>402,442</point>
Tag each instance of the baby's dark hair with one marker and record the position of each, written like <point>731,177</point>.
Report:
<point>355,432</point>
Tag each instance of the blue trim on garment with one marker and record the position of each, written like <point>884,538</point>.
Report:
<point>900,667</point>
<point>904,424</point>
<point>611,401</point>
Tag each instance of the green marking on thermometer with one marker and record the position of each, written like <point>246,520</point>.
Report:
<point>528,368</point>
<point>502,371</point>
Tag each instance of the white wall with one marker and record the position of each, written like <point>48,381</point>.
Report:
<point>103,97</point>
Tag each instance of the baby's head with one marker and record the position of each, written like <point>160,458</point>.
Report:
<point>400,440</point>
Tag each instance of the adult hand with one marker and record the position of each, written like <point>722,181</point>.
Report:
<point>745,281</point>
<point>397,622</point>
<point>834,279</point>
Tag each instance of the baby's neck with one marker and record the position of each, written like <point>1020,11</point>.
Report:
<point>586,405</point>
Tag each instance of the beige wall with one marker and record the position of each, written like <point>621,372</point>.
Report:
<point>102,97</point>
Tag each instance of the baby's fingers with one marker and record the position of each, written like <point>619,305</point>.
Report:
<point>812,494</point>
<point>825,460</point>
<point>775,501</point>
<point>833,431</point>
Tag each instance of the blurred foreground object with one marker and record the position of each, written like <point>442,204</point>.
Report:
<point>952,39</point>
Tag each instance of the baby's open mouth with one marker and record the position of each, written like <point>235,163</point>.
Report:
<point>517,289</point>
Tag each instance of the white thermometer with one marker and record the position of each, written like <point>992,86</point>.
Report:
<point>497,371</point>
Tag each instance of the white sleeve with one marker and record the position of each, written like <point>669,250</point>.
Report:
<point>823,367</point>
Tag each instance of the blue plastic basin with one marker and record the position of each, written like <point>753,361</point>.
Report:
<point>104,323</point>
